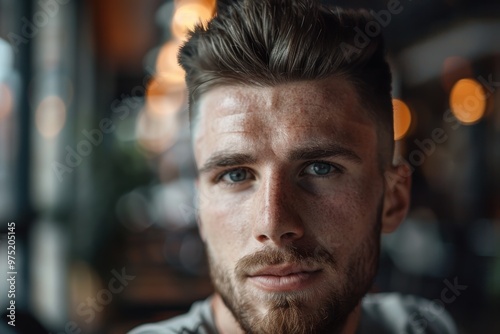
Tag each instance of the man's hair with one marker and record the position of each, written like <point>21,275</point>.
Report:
<point>271,42</point>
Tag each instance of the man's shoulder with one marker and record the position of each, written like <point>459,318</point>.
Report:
<point>198,320</point>
<point>405,314</point>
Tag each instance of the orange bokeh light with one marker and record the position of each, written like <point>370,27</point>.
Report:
<point>402,118</point>
<point>166,64</point>
<point>163,99</point>
<point>468,101</point>
<point>188,14</point>
<point>50,116</point>
<point>6,101</point>
<point>156,135</point>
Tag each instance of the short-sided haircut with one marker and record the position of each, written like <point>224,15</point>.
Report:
<point>272,42</point>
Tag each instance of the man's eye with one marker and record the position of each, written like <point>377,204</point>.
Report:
<point>319,169</point>
<point>235,176</point>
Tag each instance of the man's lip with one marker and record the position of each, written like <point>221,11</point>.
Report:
<point>284,278</point>
<point>282,270</point>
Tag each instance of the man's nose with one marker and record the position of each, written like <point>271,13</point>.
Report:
<point>277,218</point>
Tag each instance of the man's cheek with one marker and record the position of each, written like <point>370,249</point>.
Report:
<point>207,194</point>
<point>334,226</point>
<point>219,226</point>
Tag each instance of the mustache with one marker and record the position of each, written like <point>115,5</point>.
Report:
<point>308,257</point>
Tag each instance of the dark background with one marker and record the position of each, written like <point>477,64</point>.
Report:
<point>96,81</point>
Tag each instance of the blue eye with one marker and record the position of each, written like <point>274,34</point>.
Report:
<point>319,169</point>
<point>235,175</point>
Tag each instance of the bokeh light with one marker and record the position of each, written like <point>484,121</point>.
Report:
<point>6,58</point>
<point>167,66</point>
<point>402,119</point>
<point>134,211</point>
<point>6,101</point>
<point>188,14</point>
<point>468,101</point>
<point>50,116</point>
<point>155,135</point>
<point>162,99</point>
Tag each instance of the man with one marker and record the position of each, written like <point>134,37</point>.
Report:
<point>293,138</point>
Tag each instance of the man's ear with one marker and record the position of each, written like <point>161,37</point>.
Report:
<point>396,197</point>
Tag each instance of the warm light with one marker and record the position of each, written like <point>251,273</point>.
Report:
<point>156,135</point>
<point>167,66</point>
<point>50,116</point>
<point>6,101</point>
<point>468,101</point>
<point>162,99</point>
<point>187,15</point>
<point>402,118</point>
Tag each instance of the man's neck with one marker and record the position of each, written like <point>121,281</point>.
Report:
<point>227,324</point>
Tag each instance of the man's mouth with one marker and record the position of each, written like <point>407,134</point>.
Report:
<point>284,278</point>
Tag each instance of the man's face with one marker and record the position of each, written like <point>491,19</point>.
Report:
<point>290,195</point>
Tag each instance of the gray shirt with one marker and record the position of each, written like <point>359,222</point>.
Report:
<point>383,313</point>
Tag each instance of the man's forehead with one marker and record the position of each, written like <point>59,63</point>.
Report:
<point>232,106</point>
<point>242,116</point>
<point>234,99</point>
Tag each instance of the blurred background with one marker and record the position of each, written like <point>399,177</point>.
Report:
<point>96,169</point>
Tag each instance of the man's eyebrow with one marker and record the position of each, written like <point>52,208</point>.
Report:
<point>318,151</point>
<point>226,159</point>
<point>311,152</point>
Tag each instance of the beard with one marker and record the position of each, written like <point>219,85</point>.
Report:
<point>323,309</point>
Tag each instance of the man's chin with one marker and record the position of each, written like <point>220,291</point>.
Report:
<point>306,310</point>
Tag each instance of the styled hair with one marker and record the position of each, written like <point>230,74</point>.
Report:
<point>271,42</point>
